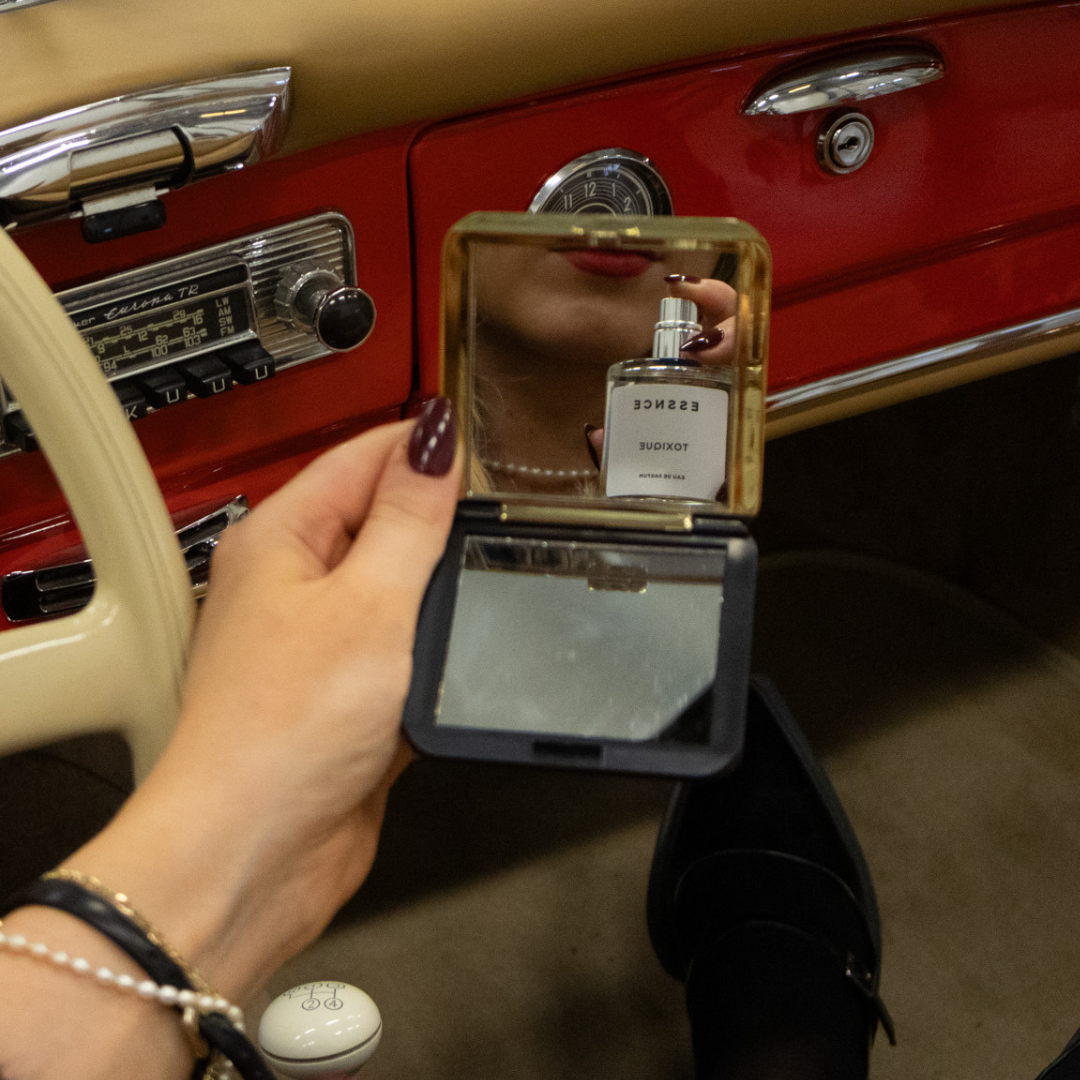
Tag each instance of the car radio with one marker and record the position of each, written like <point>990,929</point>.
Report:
<point>201,323</point>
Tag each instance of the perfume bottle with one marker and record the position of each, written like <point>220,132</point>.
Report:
<point>666,427</point>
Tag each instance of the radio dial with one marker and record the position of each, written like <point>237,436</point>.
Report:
<point>315,298</point>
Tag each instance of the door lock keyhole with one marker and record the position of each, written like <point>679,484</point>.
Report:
<point>844,143</point>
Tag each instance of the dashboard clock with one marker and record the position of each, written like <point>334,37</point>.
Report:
<point>614,181</point>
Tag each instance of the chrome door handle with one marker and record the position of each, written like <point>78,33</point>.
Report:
<point>846,78</point>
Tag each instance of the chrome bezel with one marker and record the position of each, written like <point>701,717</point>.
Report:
<point>289,345</point>
<point>830,129</point>
<point>614,154</point>
<point>289,289</point>
<point>326,237</point>
<point>197,541</point>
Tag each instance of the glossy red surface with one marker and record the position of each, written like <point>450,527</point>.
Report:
<point>249,440</point>
<point>55,539</point>
<point>972,187</point>
<point>965,219</point>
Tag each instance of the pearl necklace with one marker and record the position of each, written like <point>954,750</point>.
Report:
<point>145,988</point>
<point>535,471</point>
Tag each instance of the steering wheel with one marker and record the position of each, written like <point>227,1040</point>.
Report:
<point>119,663</point>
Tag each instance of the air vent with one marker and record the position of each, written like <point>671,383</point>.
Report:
<point>59,590</point>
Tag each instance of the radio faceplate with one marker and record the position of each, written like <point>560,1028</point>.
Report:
<point>170,319</point>
<point>197,324</point>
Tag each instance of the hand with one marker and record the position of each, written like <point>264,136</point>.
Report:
<point>274,785</point>
<point>716,302</point>
<point>263,814</point>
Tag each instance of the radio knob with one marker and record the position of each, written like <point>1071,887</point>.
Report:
<point>313,297</point>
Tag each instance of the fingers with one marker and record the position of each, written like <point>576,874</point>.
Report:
<point>594,439</point>
<point>716,302</point>
<point>307,525</point>
<point>714,346</point>
<point>411,508</point>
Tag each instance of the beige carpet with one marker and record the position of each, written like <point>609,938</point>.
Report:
<point>953,738</point>
<point>502,932</point>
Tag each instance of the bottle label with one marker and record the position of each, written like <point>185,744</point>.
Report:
<point>666,440</point>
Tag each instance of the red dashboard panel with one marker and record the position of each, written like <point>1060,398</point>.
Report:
<point>964,219</point>
<point>250,440</point>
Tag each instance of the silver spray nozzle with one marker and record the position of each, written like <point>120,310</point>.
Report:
<point>678,323</point>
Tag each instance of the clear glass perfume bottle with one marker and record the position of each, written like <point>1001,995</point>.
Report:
<point>667,419</point>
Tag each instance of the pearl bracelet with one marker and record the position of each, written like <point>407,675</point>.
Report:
<point>143,988</point>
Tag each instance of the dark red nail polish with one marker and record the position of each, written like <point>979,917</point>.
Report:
<point>703,341</point>
<point>589,429</point>
<point>690,279</point>
<point>434,439</point>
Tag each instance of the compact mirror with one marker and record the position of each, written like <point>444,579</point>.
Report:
<point>594,604</point>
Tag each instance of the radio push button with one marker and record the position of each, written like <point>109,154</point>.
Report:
<point>163,387</point>
<point>132,399</point>
<point>249,362</point>
<point>206,376</point>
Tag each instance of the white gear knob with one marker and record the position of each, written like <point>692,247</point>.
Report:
<point>320,1029</point>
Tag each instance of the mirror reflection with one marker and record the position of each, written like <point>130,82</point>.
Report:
<point>583,639</point>
<point>548,321</point>
<point>609,376</point>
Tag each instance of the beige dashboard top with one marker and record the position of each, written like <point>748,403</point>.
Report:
<point>361,65</point>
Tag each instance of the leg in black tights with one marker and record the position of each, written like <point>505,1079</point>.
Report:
<point>761,901</point>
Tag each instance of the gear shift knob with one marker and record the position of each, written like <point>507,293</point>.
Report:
<point>323,1030</point>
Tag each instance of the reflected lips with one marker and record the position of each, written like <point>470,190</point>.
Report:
<point>616,264</point>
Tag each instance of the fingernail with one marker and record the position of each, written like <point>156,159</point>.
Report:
<point>690,279</point>
<point>434,439</point>
<point>589,429</point>
<point>703,341</point>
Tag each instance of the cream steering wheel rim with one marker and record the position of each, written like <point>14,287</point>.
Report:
<point>119,663</point>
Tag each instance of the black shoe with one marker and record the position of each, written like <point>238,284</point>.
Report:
<point>766,854</point>
<point>1067,1065</point>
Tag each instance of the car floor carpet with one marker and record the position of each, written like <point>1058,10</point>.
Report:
<point>502,930</point>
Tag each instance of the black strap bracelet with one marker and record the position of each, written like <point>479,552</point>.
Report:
<point>107,921</point>
<point>220,1033</point>
<point>217,1030</point>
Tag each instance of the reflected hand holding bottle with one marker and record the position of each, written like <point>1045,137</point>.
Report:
<point>716,301</point>
<point>714,346</point>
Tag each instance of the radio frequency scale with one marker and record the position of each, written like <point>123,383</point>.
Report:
<point>234,313</point>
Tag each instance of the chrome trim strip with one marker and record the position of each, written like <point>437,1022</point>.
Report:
<point>959,353</point>
<point>157,139</point>
<point>17,5</point>
<point>845,79</point>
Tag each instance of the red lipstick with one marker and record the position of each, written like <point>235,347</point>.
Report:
<point>616,264</point>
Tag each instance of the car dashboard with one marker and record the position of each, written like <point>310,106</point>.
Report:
<point>910,168</point>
